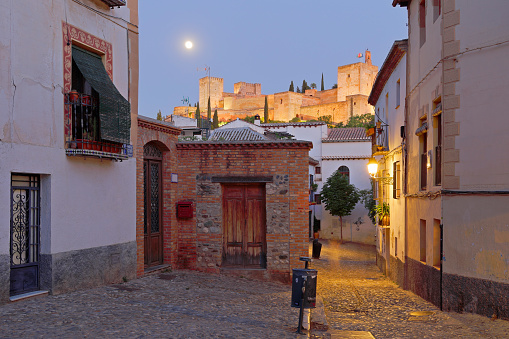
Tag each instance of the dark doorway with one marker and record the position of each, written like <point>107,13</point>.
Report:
<point>25,233</point>
<point>244,226</point>
<point>152,227</point>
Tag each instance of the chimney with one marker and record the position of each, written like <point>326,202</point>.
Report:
<point>367,58</point>
<point>257,120</point>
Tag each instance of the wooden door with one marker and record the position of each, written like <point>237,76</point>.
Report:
<point>153,237</point>
<point>244,226</point>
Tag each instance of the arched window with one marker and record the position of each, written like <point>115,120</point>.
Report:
<point>343,170</point>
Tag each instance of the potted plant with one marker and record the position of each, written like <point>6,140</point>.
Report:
<point>74,96</point>
<point>383,214</point>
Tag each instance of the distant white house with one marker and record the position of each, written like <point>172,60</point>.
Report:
<point>346,150</point>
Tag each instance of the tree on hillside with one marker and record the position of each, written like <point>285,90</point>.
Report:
<point>159,116</point>
<point>248,118</point>
<point>323,87</point>
<point>298,89</point>
<point>291,89</point>
<point>334,86</point>
<point>266,111</point>
<point>364,120</point>
<point>339,197</point>
<point>313,85</point>
<point>215,123</point>
<point>209,112</point>
<point>304,86</point>
<point>197,116</point>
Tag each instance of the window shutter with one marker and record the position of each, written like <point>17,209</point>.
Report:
<point>114,109</point>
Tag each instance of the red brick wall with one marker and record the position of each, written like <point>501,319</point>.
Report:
<point>165,139</point>
<point>201,238</point>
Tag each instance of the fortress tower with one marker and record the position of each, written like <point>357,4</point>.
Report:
<point>216,92</point>
<point>356,79</point>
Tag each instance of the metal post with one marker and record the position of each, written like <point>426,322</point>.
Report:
<point>301,310</point>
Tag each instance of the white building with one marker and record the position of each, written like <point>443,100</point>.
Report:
<point>67,183</point>
<point>388,97</point>
<point>346,150</point>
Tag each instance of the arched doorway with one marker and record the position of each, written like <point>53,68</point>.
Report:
<point>152,202</point>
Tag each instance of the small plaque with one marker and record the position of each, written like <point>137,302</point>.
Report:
<point>174,177</point>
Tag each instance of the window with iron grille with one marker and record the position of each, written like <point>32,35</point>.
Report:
<point>345,171</point>
<point>101,116</point>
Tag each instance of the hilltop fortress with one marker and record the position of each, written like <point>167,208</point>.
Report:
<point>348,99</point>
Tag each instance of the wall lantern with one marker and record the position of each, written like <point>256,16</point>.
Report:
<point>373,169</point>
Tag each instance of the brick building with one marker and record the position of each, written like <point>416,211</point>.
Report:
<point>249,213</point>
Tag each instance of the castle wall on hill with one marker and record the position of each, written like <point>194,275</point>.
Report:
<point>355,79</point>
<point>244,88</point>
<point>348,99</point>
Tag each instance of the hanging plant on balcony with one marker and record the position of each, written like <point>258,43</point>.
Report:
<point>383,214</point>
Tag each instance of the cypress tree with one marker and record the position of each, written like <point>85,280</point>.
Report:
<point>197,116</point>
<point>159,116</point>
<point>266,110</point>
<point>291,89</point>
<point>215,123</point>
<point>298,89</point>
<point>304,86</point>
<point>209,112</point>
<point>323,87</point>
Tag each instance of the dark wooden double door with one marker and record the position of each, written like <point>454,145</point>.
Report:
<point>153,235</point>
<point>244,244</point>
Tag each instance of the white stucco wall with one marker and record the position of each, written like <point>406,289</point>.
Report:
<point>92,202</point>
<point>359,177</point>
<point>395,118</point>
<point>484,99</point>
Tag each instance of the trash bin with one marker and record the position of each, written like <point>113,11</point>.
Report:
<point>304,278</point>
<point>317,248</point>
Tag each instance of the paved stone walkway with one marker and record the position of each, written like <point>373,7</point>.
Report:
<point>358,297</point>
<point>186,304</point>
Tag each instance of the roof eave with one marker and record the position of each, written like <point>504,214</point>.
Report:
<point>397,52</point>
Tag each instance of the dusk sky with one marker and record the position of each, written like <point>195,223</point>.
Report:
<point>266,42</point>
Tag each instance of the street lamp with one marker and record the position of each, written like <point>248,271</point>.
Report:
<point>373,170</point>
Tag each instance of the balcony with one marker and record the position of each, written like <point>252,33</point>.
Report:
<point>113,3</point>
<point>85,127</point>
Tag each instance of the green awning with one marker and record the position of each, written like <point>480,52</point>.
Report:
<point>114,109</point>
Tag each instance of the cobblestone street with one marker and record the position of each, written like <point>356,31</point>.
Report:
<point>358,297</point>
<point>186,304</point>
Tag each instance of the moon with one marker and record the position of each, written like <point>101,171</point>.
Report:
<point>189,44</point>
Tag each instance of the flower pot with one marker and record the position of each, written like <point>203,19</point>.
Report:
<point>385,221</point>
<point>74,96</point>
<point>79,143</point>
<point>85,100</point>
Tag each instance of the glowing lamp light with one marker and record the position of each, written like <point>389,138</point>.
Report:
<point>372,167</point>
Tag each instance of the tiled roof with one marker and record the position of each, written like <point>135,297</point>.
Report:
<point>236,134</point>
<point>313,161</point>
<point>295,124</point>
<point>347,134</point>
<point>346,157</point>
